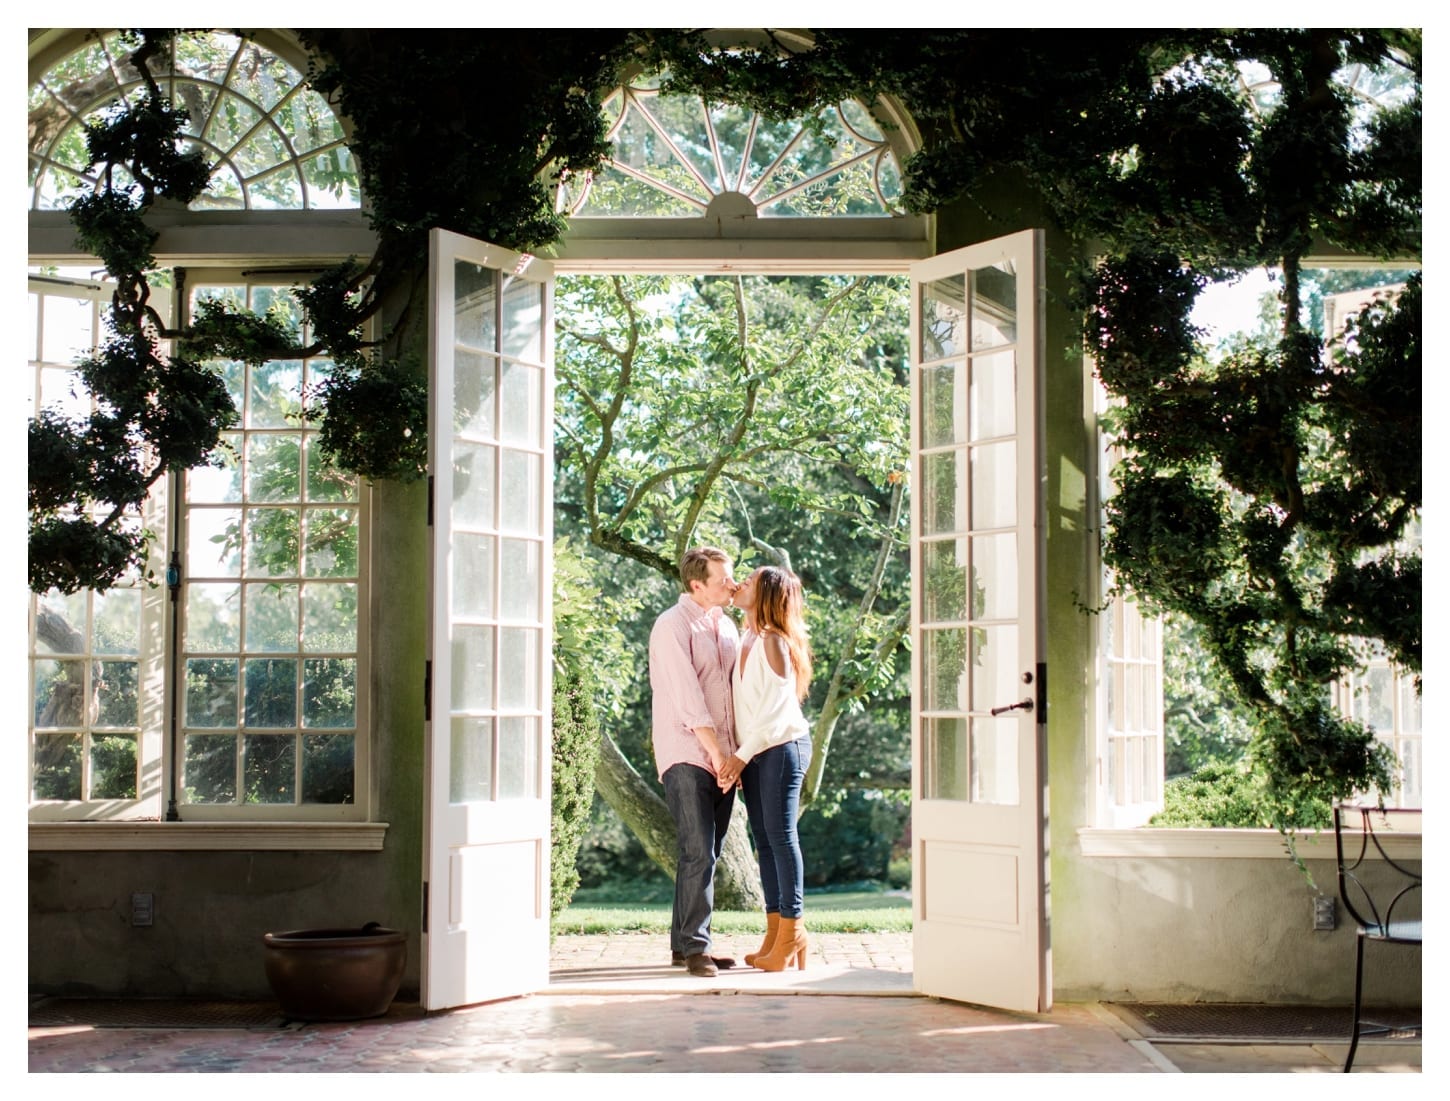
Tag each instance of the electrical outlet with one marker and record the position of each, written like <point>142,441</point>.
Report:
<point>143,909</point>
<point>1324,915</point>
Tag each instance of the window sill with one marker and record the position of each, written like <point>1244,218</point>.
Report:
<point>206,836</point>
<point>1222,844</point>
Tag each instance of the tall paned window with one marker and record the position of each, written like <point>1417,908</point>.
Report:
<point>1381,694</point>
<point>1130,746</point>
<point>242,698</point>
<point>95,659</point>
<point>271,650</point>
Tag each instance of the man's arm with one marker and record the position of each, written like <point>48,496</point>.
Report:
<point>672,675</point>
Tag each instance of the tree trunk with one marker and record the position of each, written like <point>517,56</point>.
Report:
<point>737,875</point>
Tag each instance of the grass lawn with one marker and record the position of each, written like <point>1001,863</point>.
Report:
<point>826,912</point>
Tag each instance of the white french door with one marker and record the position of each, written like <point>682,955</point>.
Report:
<point>486,927</point>
<point>979,698</point>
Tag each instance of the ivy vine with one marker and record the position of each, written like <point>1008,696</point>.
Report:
<point>1266,493</point>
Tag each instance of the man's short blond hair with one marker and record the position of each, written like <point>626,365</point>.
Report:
<point>695,566</point>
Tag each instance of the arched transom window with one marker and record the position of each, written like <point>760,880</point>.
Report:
<point>676,156</point>
<point>275,144</point>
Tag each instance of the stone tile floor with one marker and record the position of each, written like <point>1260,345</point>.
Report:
<point>614,1004</point>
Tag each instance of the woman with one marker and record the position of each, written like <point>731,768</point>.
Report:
<point>774,752</point>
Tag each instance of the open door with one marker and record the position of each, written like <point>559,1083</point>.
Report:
<point>979,815</point>
<point>486,896</point>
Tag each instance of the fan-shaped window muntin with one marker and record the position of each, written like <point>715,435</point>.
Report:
<point>275,144</point>
<point>675,155</point>
<point>1373,88</point>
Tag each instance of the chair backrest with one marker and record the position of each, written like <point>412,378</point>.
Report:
<point>1375,886</point>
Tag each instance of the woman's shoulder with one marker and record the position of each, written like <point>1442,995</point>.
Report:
<point>777,651</point>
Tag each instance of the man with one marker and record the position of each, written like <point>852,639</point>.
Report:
<point>692,651</point>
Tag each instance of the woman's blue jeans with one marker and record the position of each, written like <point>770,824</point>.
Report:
<point>772,785</point>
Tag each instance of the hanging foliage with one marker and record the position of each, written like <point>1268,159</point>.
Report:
<point>1258,495</point>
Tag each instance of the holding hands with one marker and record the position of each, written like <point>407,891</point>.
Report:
<point>727,774</point>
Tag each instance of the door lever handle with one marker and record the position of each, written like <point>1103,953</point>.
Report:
<point>1020,705</point>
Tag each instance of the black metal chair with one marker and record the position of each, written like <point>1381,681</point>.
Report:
<point>1379,893</point>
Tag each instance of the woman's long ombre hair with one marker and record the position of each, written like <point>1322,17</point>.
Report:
<point>780,607</point>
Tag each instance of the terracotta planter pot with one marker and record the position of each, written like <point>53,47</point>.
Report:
<point>335,974</point>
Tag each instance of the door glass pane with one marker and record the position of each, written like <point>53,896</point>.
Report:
<point>473,567</point>
<point>470,766</point>
<point>518,757</point>
<point>944,580</point>
<point>946,758</point>
<point>993,401</point>
<point>475,292</point>
<point>944,670</point>
<point>994,576</point>
<point>519,668</point>
<point>473,485</point>
<point>523,319</point>
<point>994,306</point>
<point>996,678</point>
<point>521,584</point>
<point>520,488</point>
<point>994,761</point>
<point>994,485</point>
<point>520,415</point>
<point>943,318</point>
<point>942,405</point>
<point>944,492</point>
<point>474,386</point>
<point>472,688</point>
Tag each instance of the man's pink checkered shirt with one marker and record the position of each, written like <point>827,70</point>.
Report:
<point>691,655</point>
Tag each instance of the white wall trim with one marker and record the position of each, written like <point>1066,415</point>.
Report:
<point>206,836</point>
<point>1222,844</point>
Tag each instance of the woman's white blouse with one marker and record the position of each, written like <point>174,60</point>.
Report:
<point>767,712</point>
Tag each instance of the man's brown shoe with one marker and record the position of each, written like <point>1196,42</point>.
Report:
<point>701,965</point>
<point>724,963</point>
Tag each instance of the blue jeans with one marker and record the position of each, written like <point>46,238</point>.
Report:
<point>772,781</point>
<point>702,815</point>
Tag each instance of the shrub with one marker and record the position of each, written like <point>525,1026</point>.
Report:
<point>1227,796</point>
<point>575,753</point>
